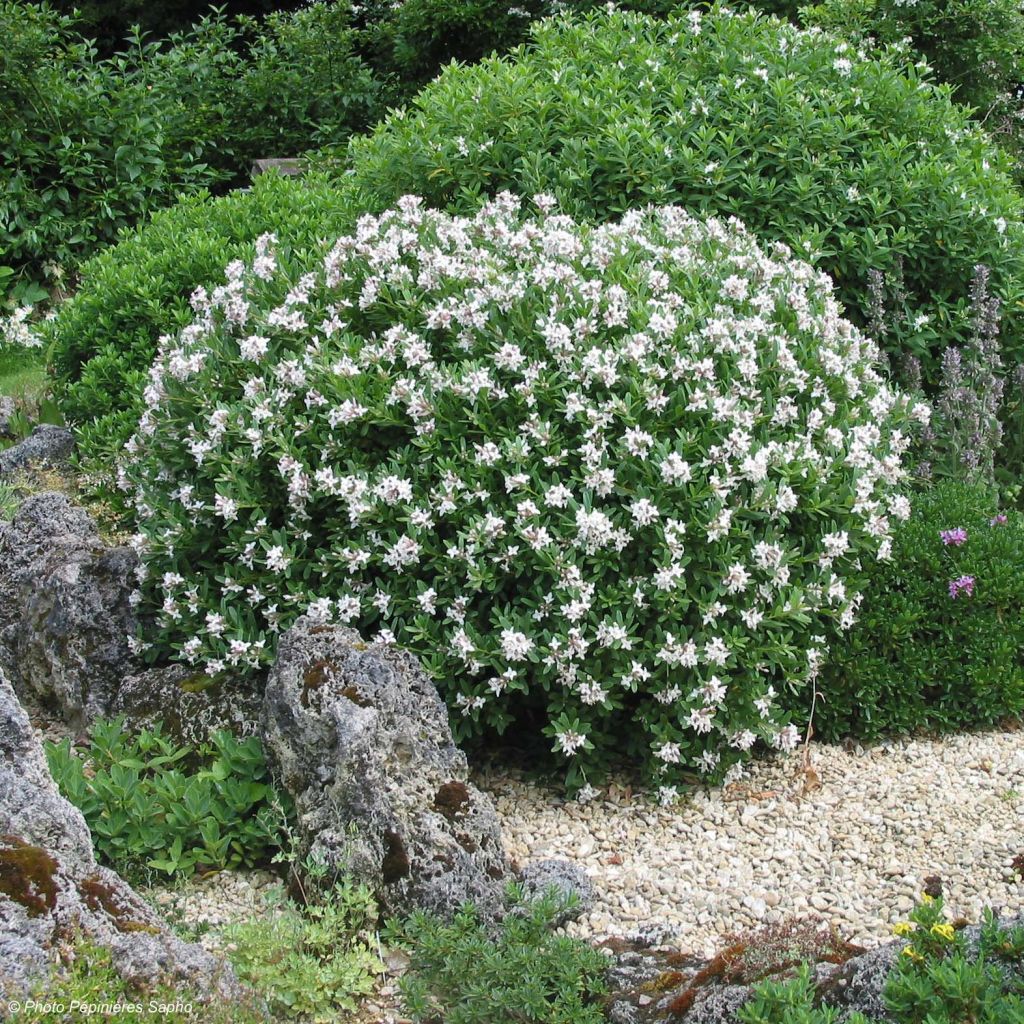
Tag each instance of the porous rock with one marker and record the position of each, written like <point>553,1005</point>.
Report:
<point>46,446</point>
<point>566,879</point>
<point>65,614</point>
<point>188,704</point>
<point>52,891</point>
<point>361,740</point>
<point>7,410</point>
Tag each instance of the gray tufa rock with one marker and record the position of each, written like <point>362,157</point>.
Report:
<point>45,446</point>
<point>189,704</point>
<point>52,891</point>
<point>566,878</point>
<point>8,408</point>
<point>362,742</point>
<point>65,614</point>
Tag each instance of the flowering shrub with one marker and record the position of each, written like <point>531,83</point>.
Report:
<point>611,477</point>
<point>857,158</point>
<point>103,339</point>
<point>939,643</point>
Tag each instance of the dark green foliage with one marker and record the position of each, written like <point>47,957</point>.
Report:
<point>861,165</point>
<point>976,46</point>
<point>273,87</point>
<point>464,975</point>
<point>87,147</point>
<point>151,804</point>
<point>103,339</point>
<point>919,658</point>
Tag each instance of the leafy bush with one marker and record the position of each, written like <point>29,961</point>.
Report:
<point>976,46</point>
<point>309,961</point>
<point>103,339</point>
<point>937,980</point>
<point>462,974</point>
<point>276,86</point>
<point>152,804</point>
<point>87,146</point>
<point>560,463</point>
<point>858,159</point>
<point>940,640</point>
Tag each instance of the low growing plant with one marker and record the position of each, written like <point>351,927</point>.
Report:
<point>939,642</point>
<point>309,961</point>
<point>85,978</point>
<point>607,483</point>
<point>462,973</point>
<point>936,980</point>
<point>154,806</point>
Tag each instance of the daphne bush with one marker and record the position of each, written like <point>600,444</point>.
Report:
<point>939,644</point>
<point>611,477</point>
<point>857,158</point>
<point>102,341</point>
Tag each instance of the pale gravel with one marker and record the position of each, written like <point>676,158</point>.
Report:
<point>850,842</point>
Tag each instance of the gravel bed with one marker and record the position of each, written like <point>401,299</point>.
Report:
<point>850,840</point>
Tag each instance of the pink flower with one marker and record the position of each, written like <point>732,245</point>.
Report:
<point>955,537</point>
<point>965,583</point>
<point>999,520</point>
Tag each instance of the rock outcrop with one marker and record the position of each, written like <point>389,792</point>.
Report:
<point>362,742</point>
<point>8,409</point>
<point>52,890</point>
<point>46,446</point>
<point>566,879</point>
<point>65,615</point>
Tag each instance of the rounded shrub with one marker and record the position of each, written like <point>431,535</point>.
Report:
<point>102,341</point>
<point>604,481</point>
<point>939,644</point>
<point>858,159</point>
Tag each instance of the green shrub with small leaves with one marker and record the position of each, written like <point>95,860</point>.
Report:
<point>939,643</point>
<point>155,806</point>
<point>102,340</point>
<point>311,961</point>
<point>462,973</point>
<point>976,46</point>
<point>857,158</point>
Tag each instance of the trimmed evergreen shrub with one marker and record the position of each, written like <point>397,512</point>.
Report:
<point>939,644</point>
<point>858,159</point>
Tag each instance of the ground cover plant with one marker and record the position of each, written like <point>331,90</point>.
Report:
<point>154,806</point>
<point>561,464</point>
<point>857,158</point>
<point>313,960</point>
<point>101,342</point>
<point>461,972</point>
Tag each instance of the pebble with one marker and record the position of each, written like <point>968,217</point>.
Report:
<point>854,850</point>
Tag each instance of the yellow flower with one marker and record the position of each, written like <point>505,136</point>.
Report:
<point>925,898</point>
<point>912,953</point>
<point>944,931</point>
<point>904,928</point>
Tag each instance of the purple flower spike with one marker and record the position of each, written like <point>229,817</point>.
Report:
<point>955,537</point>
<point>964,583</point>
<point>999,520</point>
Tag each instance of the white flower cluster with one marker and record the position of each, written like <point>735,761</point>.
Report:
<point>620,471</point>
<point>16,330</point>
